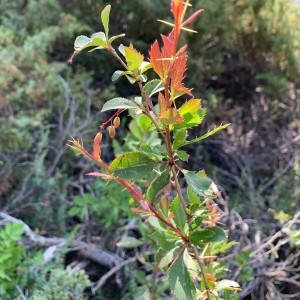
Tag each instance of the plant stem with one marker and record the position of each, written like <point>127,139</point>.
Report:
<point>201,265</point>
<point>169,224</point>
<point>115,54</point>
<point>179,192</point>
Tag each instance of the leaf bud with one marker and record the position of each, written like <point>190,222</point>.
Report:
<point>98,137</point>
<point>117,122</point>
<point>96,145</point>
<point>112,131</point>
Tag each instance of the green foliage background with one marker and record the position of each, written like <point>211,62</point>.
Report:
<point>244,62</point>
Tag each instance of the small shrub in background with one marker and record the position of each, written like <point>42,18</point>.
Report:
<point>10,257</point>
<point>24,274</point>
<point>62,284</point>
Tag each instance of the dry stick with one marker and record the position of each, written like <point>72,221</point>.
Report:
<point>88,251</point>
<point>114,270</point>
<point>280,174</point>
<point>201,265</point>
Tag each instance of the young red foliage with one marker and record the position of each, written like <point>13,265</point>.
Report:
<point>162,59</point>
<point>96,146</point>
<point>177,74</point>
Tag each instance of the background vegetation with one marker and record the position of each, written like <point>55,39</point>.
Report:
<point>244,63</point>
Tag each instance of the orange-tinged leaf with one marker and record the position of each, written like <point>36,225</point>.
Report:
<point>155,55</point>
<point>168,44</point>
<point>190,112</point>
<point>96,146</point>
<point>164,204</point>
<point>162,59</point>
<point>137,210</point>
<point>163,105</point>
<point>171,216</point>
<point>210,277</point>
<point>191,18</point>
<point>170,116</point>
<point>177,74</point>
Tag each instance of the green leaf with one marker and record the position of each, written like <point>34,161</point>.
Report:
<point>75,211</point>
<point>155,189</point>
<point>222,247</point>
<point>154,222</point>
<point>117,74</point>
<point>160,239</point>
<point>162,236</point>
<point>200,185</point>
<point>83,42</point>
<point>189,112</point>
<point>180,280</point>
<point>133,58</point>
<point>207,235</point>
<point>144,122</point>
<point>121,49</point>
<point>179,138</point>
<point>79,200</point>
<point>182,155</point>
<point>206,135</point>
<point>113,38</point>
<point>180,216</point>
<point>105,19</point>
<point>131,80</point>
<point>166,257</point>
<point>152,87</point>
<point>132,165</point>
<point>157,150</point>
<point>198,216</point>
<point>99,34</point>
<point>227,285</point>
<point>193,197</point>
<point>145,66</point>
<point>4,257</point>
<point>119,103</point>
<point>14,230</point>
<point>191,265</point>
<point>143,78</point>
<point>129,242</point>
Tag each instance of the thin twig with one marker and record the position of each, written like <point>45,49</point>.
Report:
<point>111,272</point>
<point>201,265</point>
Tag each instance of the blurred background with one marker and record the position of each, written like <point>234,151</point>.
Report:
<point>245,65</point>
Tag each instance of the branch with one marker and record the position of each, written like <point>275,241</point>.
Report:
<point>88,251</point>
<point>110,273</point>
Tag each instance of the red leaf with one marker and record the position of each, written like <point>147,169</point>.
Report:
<point>155,57</point>
<point>162,59</point>
<point>96,146</point>
<point>192,17</point>
<point>177,8</point>
<point>162,103</point>
<point>167,49</point>
<point>177,74</point>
